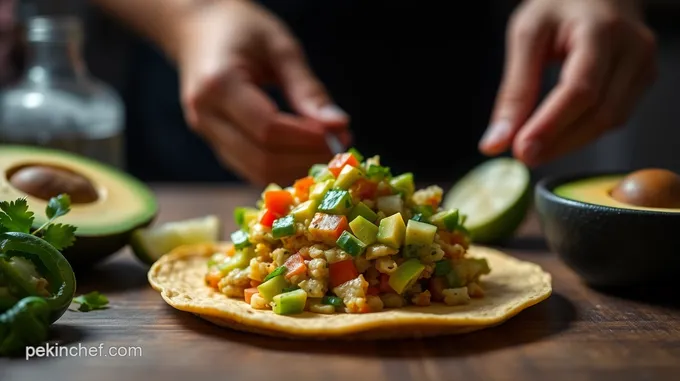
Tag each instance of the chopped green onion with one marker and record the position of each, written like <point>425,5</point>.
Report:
<point>281,270</point>
<point>332,301</point>
<point>378,172</point>
<point>240,239</point>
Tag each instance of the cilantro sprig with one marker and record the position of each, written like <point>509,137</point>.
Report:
<point>16,217</point>
<point>91,301</point>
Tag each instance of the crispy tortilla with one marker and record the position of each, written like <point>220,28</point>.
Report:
<point>512,286</point>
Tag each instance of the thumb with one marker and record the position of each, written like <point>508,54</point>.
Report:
<point>519,90</point>
<point>305,92</point>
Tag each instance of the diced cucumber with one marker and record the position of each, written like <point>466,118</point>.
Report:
<point>446,219</point>
<point>378,172</point>
<point>240,260</point>
<point>290,303</point>
<point>405,275</point>
<point>391,231</point>
<point>404,183</point>
<point>317,169</point>
<point>240,239</point>
<point>347,176</point>
<point>243,216</point>
<point>419,233</point>
<point>390,204</point>
<point>320,189</point>
<point>336,201</point>
<point>351,244</point>
<point>274,286</point>
<point>364,230</point>
<point>414,251</point>
<point>426,210</point>
<point>305,210</point>
<point>362,210</point>
<point>283,227</point>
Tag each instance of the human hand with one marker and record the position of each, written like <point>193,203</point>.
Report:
<point>227,50</point>
<point>609,60</point>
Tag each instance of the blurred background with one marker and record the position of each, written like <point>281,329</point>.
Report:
<point>133,67</point>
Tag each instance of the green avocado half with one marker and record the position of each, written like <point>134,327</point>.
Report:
<point>107,204</point>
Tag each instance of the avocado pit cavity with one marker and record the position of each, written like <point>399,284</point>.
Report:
<point>45,181</point>
<point>652,188</point>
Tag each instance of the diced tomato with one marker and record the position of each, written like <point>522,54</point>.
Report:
<point>248,294</point>
<point>268,218</point>
<point>295,265</point>
<point>213,278</point>
<point>340,160</point>
<point>365,309</point>
<point>302,188</point>
<point>364,188</point>
<point>278,201</point>
<point>373,290</point>
<point>436,286</point>
<point>341,272</point>
<point>255,283</point>
<point>327,227</point>
<point>385,284</point>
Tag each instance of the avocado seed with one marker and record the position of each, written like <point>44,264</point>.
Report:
<point>652,188</point>
<point>45,182</point>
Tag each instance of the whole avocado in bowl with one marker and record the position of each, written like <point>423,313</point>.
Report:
<point>107,204</point>
<point>614,229</point>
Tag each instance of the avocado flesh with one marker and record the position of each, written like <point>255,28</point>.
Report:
<point>104,226</point>
<point>596,190</point>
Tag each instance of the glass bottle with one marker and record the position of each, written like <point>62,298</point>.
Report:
<point>57,103</point>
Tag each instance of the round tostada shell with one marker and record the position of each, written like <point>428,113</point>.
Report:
<point>512,286</point>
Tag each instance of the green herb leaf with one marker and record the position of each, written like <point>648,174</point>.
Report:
<point>281,270</point>
<point>60,236</point>
<point>15,216</point>
<point>92,301</point>
<point>58,206</point>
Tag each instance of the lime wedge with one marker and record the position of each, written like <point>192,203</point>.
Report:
<point>495,196</point>
<point>149,244</point>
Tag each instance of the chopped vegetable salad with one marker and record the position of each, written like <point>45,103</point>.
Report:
<point>350,237</point>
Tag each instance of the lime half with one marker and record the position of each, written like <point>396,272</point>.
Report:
<point>495,197</point>
<point>149,244</point>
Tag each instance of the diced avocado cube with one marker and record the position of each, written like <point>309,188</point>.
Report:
<point>390,204</point>
<point>391,231</point>
<point>446,219</point>
<point>419,233</point>
<point>317,169</point>
<point>283,227</point>
<point>290,303</point>
<point>364,211</point>
<point>347,176</point>
<point>364,230</point>
<point>269,289</point>
<point>305,210</point>
<point>351,244</point>
<point>239,260</point>
<point>336,201</point>
<point>240,239</point>
<point>405,275</point>
<point>442,267</point>
<point>320,189</point>
<point>404,183</point>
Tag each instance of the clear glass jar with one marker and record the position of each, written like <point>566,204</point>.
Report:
<point>57,103</point>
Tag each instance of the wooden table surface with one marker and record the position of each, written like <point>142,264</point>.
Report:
<point>577,334</point>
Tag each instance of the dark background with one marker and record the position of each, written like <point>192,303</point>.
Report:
<point>461,44</point>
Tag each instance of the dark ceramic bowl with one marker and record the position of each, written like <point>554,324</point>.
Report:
<point>609,246</point>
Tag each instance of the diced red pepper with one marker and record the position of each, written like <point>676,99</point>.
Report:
<point>340,160</point>
<point>365,309</point>
<point>295,265</point>
<point>327,228</point>
<point>268,218</point>
<point>278,201</point>
<point>436,286</point>
<point>385,284</point>
<point>302,186</point>
<point>364,188</point>
<point>255,283</point>
<point>341,272</point>
<point>248,294</point>
<point>373,290</point>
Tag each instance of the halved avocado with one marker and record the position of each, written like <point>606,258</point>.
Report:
<point>107,204</point>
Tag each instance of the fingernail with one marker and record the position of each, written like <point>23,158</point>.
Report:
<point>331,112</point>
<point>497,132</point>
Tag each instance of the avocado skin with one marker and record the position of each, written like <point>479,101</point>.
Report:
<point>609,247</point>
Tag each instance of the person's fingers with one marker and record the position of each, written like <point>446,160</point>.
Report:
<point>528,45</point>
<point>305,92</point>
<point>252,161</point>
<point>580,88</point>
